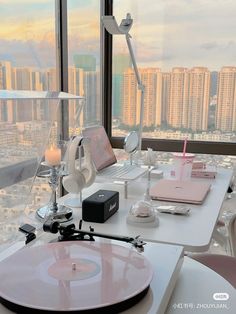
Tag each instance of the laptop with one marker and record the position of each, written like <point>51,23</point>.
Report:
<point>191,192</point>
<point>104,158</point>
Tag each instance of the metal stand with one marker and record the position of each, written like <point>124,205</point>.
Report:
<point>126,190</point>
<point>52,209</point>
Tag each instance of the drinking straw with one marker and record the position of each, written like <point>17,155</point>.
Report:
<point>185,146</point>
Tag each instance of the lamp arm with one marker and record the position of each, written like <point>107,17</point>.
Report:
<point>140,84</point>
<point>141,87</point>
<point>141,118</point>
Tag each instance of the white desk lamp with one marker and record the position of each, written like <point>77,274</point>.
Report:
<point>112,27</point>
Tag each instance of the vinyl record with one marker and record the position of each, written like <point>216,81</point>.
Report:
<point>74,277</point>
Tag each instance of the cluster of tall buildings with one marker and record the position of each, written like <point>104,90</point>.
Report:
<point>184,99</point>
<point>83,80</point>
<point>180,99</point>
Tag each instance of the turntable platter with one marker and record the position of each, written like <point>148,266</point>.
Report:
<point>74,277</point>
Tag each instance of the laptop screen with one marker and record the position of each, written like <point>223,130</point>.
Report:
<point>101,149</point>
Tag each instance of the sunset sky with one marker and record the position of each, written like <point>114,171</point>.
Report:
<point>165,33</point>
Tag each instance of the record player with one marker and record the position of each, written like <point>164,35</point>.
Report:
<point>86,272</point>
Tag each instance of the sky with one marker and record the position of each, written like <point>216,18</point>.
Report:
<point>165,33</point>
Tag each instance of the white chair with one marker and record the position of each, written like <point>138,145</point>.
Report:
<point>227,238</point>
<point>224,265</point>
<point>232,235</point>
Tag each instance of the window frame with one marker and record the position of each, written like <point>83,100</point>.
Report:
<point>62,61</point>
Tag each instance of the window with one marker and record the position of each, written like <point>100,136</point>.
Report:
<point>27,50</point>
<point>185,55</point>
<point>27,62</point>
<point>84,57</point>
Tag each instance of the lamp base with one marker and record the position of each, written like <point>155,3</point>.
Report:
<point>63,214</point>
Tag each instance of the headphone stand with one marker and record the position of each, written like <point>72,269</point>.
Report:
<point>74,200</point>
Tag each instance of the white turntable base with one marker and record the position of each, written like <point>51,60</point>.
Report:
<point>166,261</point>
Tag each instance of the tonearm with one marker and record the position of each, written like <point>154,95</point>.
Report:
<point>68,232</point>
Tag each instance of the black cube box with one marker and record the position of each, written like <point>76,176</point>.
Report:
<point>100,206</point>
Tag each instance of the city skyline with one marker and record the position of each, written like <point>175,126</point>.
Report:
<point>179,99</point>
<point>182,99</point>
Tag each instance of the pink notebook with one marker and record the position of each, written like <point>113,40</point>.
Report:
<point>180,191</point>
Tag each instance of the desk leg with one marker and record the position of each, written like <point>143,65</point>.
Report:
<point>126,189</point>
<point>80,198</point>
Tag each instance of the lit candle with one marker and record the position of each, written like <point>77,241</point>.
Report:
<point>53,156</point>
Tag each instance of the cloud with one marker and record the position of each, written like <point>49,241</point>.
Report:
<point>22,2</point>
<point>231,44</point>
<point>32,54</point>
<point>210,45</point>
<point>169,32</point>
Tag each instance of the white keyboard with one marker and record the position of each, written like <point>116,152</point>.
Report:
<point>122,172</point>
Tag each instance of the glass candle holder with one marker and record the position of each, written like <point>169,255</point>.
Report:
<point>54,160</point>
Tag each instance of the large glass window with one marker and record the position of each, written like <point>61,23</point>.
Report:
<point>185,52</point>
<point>84,57</point>
<point>27,62</point>
<point>27,45</point>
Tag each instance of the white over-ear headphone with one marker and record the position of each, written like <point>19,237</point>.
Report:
<point>87,166</point>
<point>83,175</point>
<point>75,181</point>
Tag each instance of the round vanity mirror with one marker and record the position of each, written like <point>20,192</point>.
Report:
<point>131,142</point>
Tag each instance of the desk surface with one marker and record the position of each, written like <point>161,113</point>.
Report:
<point>194,232</point>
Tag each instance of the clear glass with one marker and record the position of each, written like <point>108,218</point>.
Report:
<point>185,55</point>
<point>27,127</point>
<point>84,58</point>
<point>27,49</point>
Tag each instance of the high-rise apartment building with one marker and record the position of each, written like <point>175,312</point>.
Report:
<point>198,99</point>
<point>165,97</point>
<point>75,81</point>
<point>92,108</point>
<point>6,107</point>
<point>121,62</point>
<point>226,100</point>
<point>27,79</point>
<point>189,98</point>
<point>76,87</point>
<point>85,62</point>
<point>178,106</point>
<point>129,99</point>
<point>22,78</point>
<point>5,75</point>
<point>50,80</point>
<point>152,80</point>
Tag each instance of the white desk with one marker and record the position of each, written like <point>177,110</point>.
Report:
<point>194,232</point>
